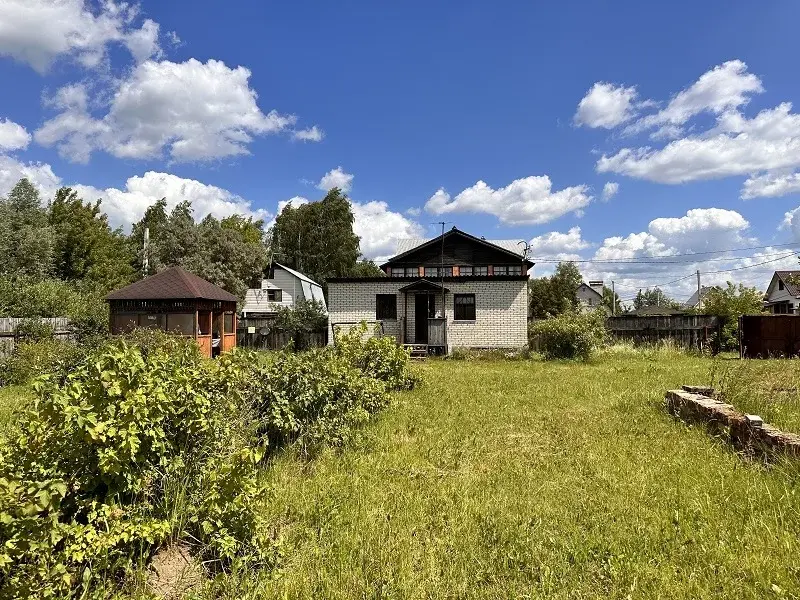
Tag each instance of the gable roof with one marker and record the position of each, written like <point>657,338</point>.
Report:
<point>297,274</point>
<point>407,246</point>
<point>790,279</point>
<point>591,289</point>
<point>692,301</point>
<point>422,285</point>
<point>175,283</point>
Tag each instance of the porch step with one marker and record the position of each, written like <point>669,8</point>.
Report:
<point>417,350</point>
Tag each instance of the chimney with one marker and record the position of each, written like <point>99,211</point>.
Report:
<point>597,286</point>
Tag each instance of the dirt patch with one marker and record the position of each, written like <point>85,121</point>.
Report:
<point>174,573</point>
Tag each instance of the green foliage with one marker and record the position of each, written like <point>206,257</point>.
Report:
<point>729,303</point>
<point>85,246</point>
<point>611,301</point>
<point>375,356</point>
<point>654,297</point>
<point>365,268</point>
<point>26,240</point>
<point>229,253</point>
<point>82,483</point>
<point>317,238</point>
<point>34,330</point>
<point>549,296</point>
<point>306,316</point>
<point>30,359</point>
<point>572,335</point>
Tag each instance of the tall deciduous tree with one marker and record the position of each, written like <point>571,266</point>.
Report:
<point>550,296</point>
<point>85,248</point>
<point>611,301</point>
<point>654,297</point>
<point>729,303</point>
<point>26,240</point>
<point>317,238</point>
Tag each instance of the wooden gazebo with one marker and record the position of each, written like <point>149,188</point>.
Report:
<point>179,302</point>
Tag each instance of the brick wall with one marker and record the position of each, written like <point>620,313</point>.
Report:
<point>501,311</point>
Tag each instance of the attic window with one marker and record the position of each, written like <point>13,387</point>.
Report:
<point>780,285</point>
<point>275,295</point>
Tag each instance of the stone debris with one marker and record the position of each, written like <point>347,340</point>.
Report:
<point>748,433</point>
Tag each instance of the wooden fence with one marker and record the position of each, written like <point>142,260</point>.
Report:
<point>765,336</point>
<point>686,331</point>
<point>8,329</point>
<point>261,334</point>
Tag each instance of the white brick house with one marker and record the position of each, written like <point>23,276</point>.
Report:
<point>484,286</point>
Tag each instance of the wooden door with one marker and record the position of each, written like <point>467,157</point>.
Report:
<point>421,318</point>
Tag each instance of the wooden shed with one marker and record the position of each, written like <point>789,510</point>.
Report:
<point>179,302</point>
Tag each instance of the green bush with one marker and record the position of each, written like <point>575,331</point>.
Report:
<point>82,483</point>
<point>374,356</point>
<point>34,330</point>
<point>570,335</point>
<point>31,359</point>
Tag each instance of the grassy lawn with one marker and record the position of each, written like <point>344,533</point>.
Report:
<point>12,399</point>
<point>534,480</point>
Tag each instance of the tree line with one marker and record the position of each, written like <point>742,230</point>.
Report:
<point>60,256</point>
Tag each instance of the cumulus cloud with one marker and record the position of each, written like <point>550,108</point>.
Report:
<point>312,134</point>
<point>381,228</point>
<point>126,206</point>
<point>765,147</point>
<point>526,201</point>
<point>607,105</point>
<point>41,175</point>
<point>13,136</point>
<point>194,111</point>
<point>336,178</point>
<point>610,190</point>
<point>37,32</point>
<point>555,243</point>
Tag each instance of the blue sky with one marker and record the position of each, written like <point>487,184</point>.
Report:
<point>679,107</point>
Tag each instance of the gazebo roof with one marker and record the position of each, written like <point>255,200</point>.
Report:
<point>175,283</point>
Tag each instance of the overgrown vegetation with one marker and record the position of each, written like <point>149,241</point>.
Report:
<point>729,304</point>
<point>143,441</point>
<point>570,335</point>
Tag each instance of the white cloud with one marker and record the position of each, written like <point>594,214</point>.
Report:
<point>39,174</point>
<point>414,211</point>
<point>721,89</point>
<point>312,134</point>
<point>195,111</point>
<point>380,229</point>
<point>607,105</point>
<point>771,185</point>
<point>765,148</point>
<point>526,201</point>
<point>13,136</point>
<point>556,246</point>
<point>126,206</point>
<point>37,32</point>
<point>336,178</point>
<point>610,190</point>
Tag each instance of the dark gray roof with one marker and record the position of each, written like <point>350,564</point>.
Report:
<point>175,283</point>
<point>790,280</point>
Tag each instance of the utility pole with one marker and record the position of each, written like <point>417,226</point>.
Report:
<point>698,289</point>
<point>613,300</point>
<point>146,259</point>
<point>441,272</point>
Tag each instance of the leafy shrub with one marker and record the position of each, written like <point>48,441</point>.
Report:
<point>570,335</point>
<point>82,483</point>
<point>31,359</point>
<point>34,330</point>
<point>374,356</point>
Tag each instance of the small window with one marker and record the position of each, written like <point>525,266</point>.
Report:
<point>385,306</point>
<point>780,285</point>
<point>229,323</point>
<point>480,271</point>
<point>275,295</point>
<point>398,272</point>
<point>465,271</point>
<point>515,269</point>
<point>464,307</point>
<point>438,271</point>
<point>500,270</point>
<point>412,271</point>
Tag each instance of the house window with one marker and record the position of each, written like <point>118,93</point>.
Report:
<point>275,295</point>
<point>483,271</point>
<point>465,271</point>
<point>228,325</point>
<point>385,306</point>
<point>508,270</point>
<point>438,271</point>
<point>412,271</point>
<point>398,272</point>
<point>780,285</point>
<point>464,307</point>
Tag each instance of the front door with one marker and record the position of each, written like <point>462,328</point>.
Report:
<point>421,310</point>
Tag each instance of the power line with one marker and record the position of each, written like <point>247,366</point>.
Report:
<point>633,261</point>
<point>751,266</point>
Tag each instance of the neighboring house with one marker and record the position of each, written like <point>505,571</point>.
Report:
<point>590,296</point>
<point>656,311</point>
<point>692,301</point>
<point>455,290</point>
<point>284,287</point>
<point>783,293</point>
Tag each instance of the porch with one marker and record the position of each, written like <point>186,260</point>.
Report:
<point>423,324</point>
